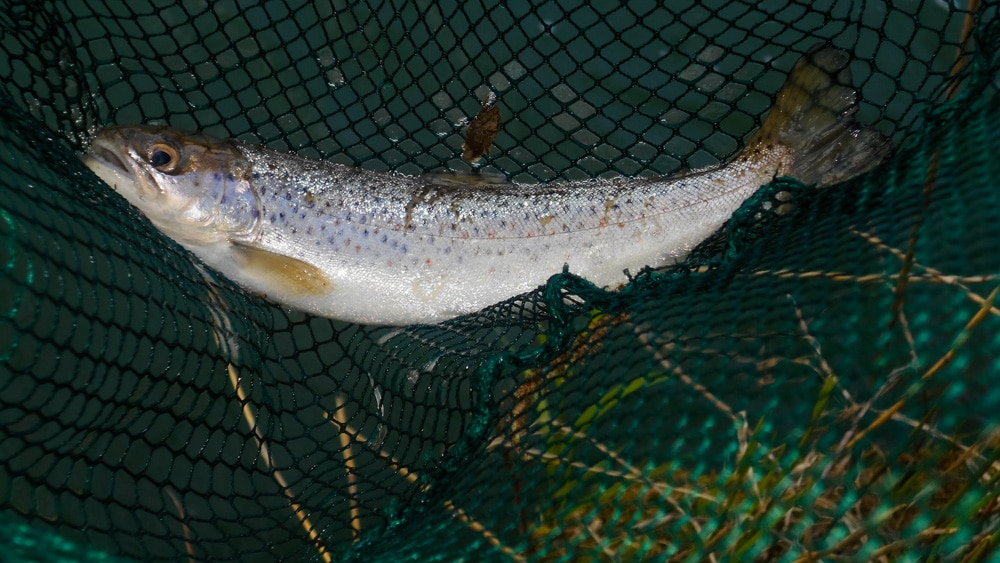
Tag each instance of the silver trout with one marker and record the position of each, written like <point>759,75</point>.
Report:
<point>392,249</point>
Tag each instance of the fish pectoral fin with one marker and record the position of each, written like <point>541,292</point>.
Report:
<point>282,273</point>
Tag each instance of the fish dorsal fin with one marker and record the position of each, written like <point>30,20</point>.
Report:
<point>466,179</point>
<point>283,274</point>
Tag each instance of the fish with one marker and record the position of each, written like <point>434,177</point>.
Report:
<point>386,248</point>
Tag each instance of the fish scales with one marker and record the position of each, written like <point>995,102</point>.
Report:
<point>432,251</point>
<point>388,248</point>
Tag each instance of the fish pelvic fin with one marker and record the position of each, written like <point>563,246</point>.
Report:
<point>280,274</point>
<point>814,116</point>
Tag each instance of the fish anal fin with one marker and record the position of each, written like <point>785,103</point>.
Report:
<point>281,273</point>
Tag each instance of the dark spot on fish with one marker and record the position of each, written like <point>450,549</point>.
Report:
<point>309,230</point>
<point>217,176</point>
<point>230,178</point>
<point>288,196</point>
<point>385,238</point>
<point>322,227</point>
<point>272,218</point>
<point>281,215</point>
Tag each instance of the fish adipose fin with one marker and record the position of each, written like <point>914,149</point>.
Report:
<point>283,274</point>
<point>814,116</point>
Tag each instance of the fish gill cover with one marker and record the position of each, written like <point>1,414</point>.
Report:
<point>816,381</point>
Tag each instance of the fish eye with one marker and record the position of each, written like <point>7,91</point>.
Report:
<point>164,157</point>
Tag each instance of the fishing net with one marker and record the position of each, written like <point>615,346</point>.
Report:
<point>814,382</point>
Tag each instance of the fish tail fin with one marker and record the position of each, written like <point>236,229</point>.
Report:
<point>814,116</point>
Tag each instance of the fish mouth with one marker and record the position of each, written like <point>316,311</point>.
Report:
<point>108,158</point>
<point>115,167</point>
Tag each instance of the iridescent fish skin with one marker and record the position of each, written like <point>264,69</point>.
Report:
<point>387,248</point>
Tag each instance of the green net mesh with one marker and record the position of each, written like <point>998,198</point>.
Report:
<point>810,384</point>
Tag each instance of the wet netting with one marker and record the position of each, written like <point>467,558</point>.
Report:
<point>816,382</point>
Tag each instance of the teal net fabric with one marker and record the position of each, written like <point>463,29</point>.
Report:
<point>816,380</point>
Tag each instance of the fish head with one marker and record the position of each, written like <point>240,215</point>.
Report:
<point>195,189</point>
